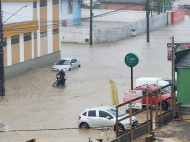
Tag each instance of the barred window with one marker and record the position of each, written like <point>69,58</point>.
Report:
<point>44,3</point>
<point>26,38</point>
<point>34,5</point>
<point>55,2</point>
<point>35,36</point>
<point>43,34</point>
<point>55,31</point>
<point>15,41</point>
<point>70,6</point>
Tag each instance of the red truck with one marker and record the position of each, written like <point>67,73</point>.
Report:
<point>164,95</point>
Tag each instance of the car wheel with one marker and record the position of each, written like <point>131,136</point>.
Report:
<point>84,125</point>
<point>165,106</point>
<point>120,127</point>
<point>69,69</point>
<point>78,66</point>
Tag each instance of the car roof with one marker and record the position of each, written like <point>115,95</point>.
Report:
<point>99,108</point>
<point>66,58</point>
<point>151,87</point>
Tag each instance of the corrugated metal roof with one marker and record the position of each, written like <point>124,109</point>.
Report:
<point>122,1</point>
<point>185,61</point>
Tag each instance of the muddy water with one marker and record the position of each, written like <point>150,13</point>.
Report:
<point>31,103</point>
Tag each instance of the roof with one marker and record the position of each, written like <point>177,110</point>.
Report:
<point>183,59</point>
<point>122,1</point>
<point>151,87</point>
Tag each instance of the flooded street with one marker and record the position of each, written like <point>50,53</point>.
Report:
<point>31,103</point>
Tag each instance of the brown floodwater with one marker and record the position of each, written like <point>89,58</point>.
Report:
<point>31,103</point>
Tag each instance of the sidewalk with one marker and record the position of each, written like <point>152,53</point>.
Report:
<point>174,131</point>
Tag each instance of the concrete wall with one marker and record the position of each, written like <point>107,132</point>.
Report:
<point>142,130</point>
<point>33,63</point>
<point>165,119</point>
<point>122,32</point>
<point>112,34</point>
<point>74,34</point>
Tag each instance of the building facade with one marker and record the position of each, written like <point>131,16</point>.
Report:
<point>122,4</point>
<point>70,12</point>
<point>31,30</point>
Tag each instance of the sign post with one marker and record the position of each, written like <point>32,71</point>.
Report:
<point>131,60</point>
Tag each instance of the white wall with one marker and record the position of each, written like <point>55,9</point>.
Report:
<point>24,14</point>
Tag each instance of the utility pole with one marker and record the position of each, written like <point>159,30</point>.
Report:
<point>158,6</point>
<point>173,78</point>
<point>147,17</point>
<point>2,81</point>
<point>91,22</point>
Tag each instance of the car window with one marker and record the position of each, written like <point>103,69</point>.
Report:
<point>143,91</point>
<point>113,111</point>
<point>72,61</point>
<point>148,91</point>
<point>84,114</point>
<point>63,62</point>
<point>104,114</point>
<point>75,60</point>
<point>92,113</point>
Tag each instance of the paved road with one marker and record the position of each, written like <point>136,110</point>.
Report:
<point>31,103</point>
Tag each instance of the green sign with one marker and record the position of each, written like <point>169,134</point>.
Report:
<point>131,59</point>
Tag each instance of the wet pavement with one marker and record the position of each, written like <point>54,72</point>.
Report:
<point>31,103</point>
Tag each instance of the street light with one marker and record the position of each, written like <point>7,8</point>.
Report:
<point>2,77</point>
<point>15,12</point>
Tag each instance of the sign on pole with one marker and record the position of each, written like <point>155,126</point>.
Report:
<point>132,94</point>
<point>131,60</point>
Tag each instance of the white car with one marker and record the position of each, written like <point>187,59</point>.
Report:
<point>98,117</point>
<point>66,64</point>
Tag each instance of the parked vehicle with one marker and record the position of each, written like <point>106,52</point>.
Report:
<point>148,89</point>
<point>151,81</point>
<point>58,81</point>
<point>66,64</point>
<point>98,117</point>
<point>169,80</point>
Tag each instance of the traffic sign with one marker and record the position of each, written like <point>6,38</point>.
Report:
<point>131,60</point>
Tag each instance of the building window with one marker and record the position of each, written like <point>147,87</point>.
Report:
<point>34,5</point>
<point>35,36</point>
<point>15,41</point>
<point>43,34</point>
<point>44,3</point>
<point>70,6</point>
<point>26,38</point>
<point>55,31</point>
<point>55,2</point>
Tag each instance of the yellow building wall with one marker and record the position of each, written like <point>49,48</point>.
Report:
<point>55,42</point>
<point>27,50</point>
<point>15,53</point>
<point>44,45</point>
<point>55,16</point>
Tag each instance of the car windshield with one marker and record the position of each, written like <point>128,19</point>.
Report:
<point>63,62</point>
<point>113,111</point>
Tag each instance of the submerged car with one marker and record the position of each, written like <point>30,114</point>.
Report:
<point>98,117</point>
<point>66,64</point>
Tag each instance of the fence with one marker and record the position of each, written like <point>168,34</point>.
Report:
<point>147,126</point>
